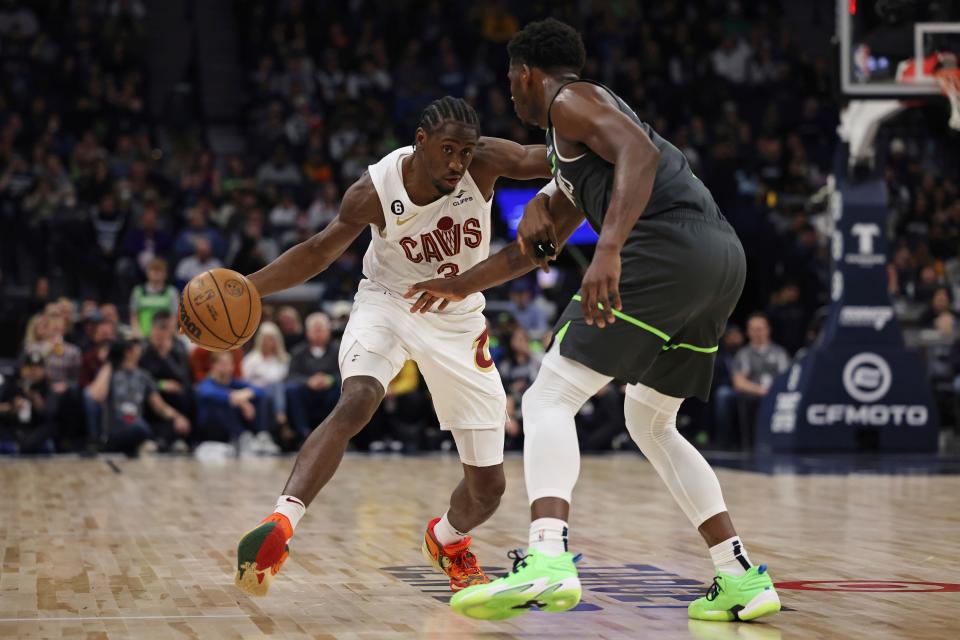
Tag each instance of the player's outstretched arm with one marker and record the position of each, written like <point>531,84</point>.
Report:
<point>495,158</point>
<point>584,115</point>
<point>503,266</point>
<point>360,207</point>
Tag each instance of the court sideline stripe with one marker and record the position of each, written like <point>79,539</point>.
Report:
<point>173,617</point>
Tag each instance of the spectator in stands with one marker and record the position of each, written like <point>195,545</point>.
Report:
<point>165,359</point>
<point>279,171</point>
<point>731,60</point>
<point>84,331</point>
<point>325,206</point>
<point>37,336</point>
<point>117,401</point>
<point>266,367</point>
<point>96,354</point>
<point>151,297</point>
<point>199,228</point>
<point>235,177</point>
<point>754,368</point>
<point>288,319</point>
<point>62,359</point>
<point>27,414</point>
<point>230,408</point>
<point>939,313</point>
<point>110,313</point>
<point>519,369</point>
<point>314,375</point>
<point>317,169</point>
<point>250,248</point>
<point>201,361</point>
<point>284,214</point>
<point>398,424</point>
<point>147,240</point>
<point>724,396</point>
<point>788,317</point>
<point>524,309</point>
<point>107,225</point>
<point>193,265</point>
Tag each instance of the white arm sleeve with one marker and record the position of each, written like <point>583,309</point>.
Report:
<point>548,189</point>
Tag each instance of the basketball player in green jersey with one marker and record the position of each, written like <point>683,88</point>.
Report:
<point>667,272</point>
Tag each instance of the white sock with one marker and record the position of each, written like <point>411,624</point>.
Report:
<point>730,557</point>
<point>548,536</point>
<point>446,533</point>
<point>292,507</point>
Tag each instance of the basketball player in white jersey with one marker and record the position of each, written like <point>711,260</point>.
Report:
<point>429,210</point>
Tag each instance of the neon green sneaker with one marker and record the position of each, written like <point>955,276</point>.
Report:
<point>745,598</point>
<point>549,583</point>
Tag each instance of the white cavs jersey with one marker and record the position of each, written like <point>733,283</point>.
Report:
<point>451,349</point>
<point>441,239</point>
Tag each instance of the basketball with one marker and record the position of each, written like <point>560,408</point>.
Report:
<point>219,310</point>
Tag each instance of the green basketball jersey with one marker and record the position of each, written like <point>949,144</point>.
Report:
<point>146,304</point>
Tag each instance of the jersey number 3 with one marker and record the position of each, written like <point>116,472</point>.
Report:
<point>448,270</point>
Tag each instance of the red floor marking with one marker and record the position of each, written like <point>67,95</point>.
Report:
<point>887,586</point>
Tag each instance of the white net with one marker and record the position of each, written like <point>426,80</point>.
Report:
<point>949,80</point>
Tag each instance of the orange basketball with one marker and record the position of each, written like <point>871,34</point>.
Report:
<point>219,310</point>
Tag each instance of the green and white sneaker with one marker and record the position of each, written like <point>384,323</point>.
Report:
<point>549,583</point>
<point>745,598</point>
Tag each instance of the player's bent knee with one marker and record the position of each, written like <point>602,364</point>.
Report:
<point>491,489</point>
<point>486,484</point>
<point>359,399</point>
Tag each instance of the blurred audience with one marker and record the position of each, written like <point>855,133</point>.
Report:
<point>151,297</point>
<point>105,202</point>
<point>314,375</point>
<point>232,409</point>
<point>266,366</point>
<point>754,368</point>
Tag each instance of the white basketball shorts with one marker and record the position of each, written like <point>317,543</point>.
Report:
<point>451,351</point>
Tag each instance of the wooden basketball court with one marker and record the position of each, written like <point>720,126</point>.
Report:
<point>146,549</point>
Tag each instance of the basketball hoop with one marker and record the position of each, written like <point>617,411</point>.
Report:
<point>861,120</point>
<point>949,80</point>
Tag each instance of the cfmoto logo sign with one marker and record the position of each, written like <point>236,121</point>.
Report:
<point>867,377</point>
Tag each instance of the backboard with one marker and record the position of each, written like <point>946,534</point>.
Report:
<point>888,47</point>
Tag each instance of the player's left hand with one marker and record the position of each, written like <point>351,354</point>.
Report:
<point>600,290</point>
<point>443,290</point>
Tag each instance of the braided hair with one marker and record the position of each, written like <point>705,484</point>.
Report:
<point>447,109</point>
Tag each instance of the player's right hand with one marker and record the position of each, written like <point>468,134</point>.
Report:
<point>536,228</point>
<point>444,290</point>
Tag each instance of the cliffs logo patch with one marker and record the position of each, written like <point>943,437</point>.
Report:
<point>396,207</point>
<point>460,198</point>
<point>234,287</point>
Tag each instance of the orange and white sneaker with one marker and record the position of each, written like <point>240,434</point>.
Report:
<point>261,553</point>
<point>455,560</point>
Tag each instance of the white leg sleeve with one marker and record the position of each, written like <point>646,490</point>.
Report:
<point>551,451</point>
<point>652,422</point>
